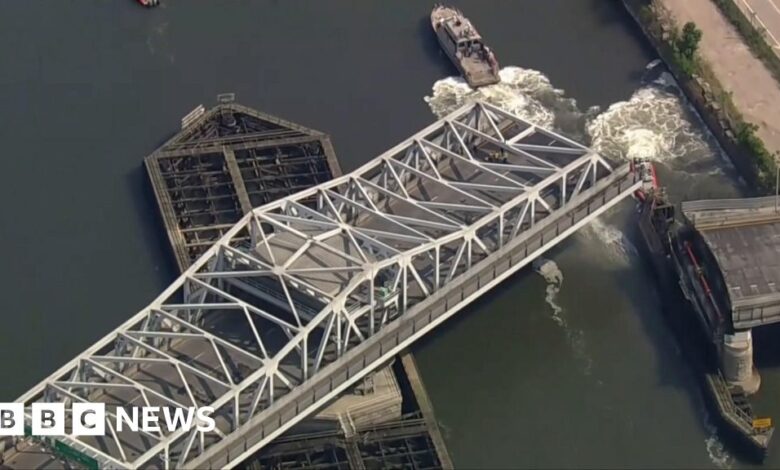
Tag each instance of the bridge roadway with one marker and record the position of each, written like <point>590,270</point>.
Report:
<point>305,296</point>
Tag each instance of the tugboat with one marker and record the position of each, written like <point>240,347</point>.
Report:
<point>463,45</point>
<point>697,325</point>
<point>149,3</point>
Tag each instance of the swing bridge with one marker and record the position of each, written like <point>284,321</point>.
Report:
<point>306,295</point>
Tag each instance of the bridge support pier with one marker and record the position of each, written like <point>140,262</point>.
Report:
<point>737,361</point>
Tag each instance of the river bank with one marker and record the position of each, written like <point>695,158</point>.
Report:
<point>726,107</point>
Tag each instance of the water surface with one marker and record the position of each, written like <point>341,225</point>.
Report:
<point>536,374</point>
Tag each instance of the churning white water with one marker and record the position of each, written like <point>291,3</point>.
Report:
<point>549,270</point>
<point>524,92</point>
<point>652,124</point>
<point>716,451</point>
<point>611,241</point>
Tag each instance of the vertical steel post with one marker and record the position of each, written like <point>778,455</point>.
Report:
<point>777,182</point>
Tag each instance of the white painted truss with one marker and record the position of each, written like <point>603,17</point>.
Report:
<point>301,289</point>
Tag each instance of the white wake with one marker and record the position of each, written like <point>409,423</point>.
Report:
<point>549,270</point>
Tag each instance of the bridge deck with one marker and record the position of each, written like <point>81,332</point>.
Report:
<point>743,236</point>
<point>306,295</point>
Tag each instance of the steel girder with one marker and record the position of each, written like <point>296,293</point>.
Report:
<point>302,283</point>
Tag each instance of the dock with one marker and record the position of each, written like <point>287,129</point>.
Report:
<point>412,441</point>
<point>426,408</point>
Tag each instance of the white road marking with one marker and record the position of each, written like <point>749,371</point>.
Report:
<point>753,14</point>
<point>774,5</point>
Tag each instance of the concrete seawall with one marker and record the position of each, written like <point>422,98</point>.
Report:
<point>700,96</point>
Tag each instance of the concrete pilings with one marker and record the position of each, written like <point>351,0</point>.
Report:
<point>737,361</point>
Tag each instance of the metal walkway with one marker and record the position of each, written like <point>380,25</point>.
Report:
<point>306,295</point>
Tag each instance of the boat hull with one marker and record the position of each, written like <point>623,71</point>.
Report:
<point>477,71</point>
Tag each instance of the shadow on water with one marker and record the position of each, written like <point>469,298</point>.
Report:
<point>148,218</point>
<point>482,304</point>
<point>613,13</point>
<point>655,309</point>
<point>432,49</point>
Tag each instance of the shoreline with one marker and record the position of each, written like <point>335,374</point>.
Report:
<point>708,98</point>
<point>702,89</point>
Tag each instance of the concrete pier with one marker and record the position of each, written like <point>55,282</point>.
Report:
<point>737,362</point>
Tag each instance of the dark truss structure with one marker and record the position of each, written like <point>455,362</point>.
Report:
<point>225,162</point>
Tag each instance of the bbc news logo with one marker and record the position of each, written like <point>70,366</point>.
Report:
<point>89,419</point>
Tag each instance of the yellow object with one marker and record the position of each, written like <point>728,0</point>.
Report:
<point>762,423</point>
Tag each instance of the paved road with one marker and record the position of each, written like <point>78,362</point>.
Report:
<point>754,90</point>
<point>764,14</point>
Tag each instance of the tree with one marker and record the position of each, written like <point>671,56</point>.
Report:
<point>688,42</point>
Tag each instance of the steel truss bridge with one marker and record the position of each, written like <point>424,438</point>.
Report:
<point>305,296</point>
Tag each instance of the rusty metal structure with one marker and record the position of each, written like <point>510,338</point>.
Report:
<point>224,162</point>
